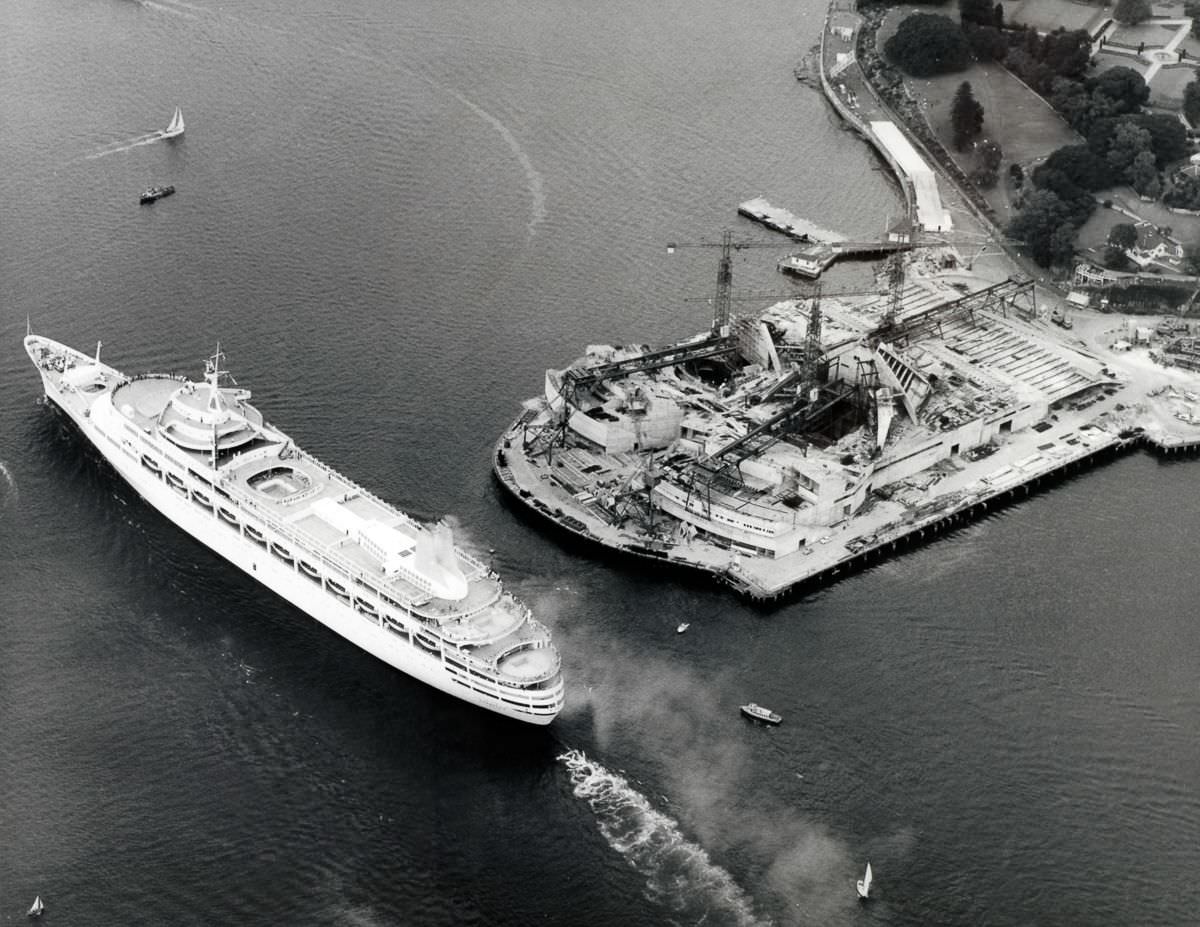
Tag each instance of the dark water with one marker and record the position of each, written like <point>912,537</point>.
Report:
<point>393,217</point>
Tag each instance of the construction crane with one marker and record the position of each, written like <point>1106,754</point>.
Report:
<point>923,239</point>
<point>723,295</point>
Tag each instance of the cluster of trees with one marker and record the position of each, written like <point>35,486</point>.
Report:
<point>1130,148</point>
<point>1124,146</point>
<point>1184,193</point>
<point>925,44</point>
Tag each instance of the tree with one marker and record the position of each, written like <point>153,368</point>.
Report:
<point>981,12</point>
<point>988,43</point>
<point>988,155</point>
<point>1115,258</point>
<point>1128,142</point>
<point>1062,245</point>
<point>1079,164</point>
<point>1069,97</point>
<point>1123,88</point>
<point>1191,259</point>
<point>1191,98</point>
<point>1123,235</point>
<point>1192,8</point>
<point>926,44</point>
<point>1168,137</point>
<point>1017,175</point>
<point>1143,175</point>
<point>966,117</point>
<point>1131,12</point>
<point>1067,53</point>
<point>1043,214</point>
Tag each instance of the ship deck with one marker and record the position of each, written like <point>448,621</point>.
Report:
<point>317,509</point>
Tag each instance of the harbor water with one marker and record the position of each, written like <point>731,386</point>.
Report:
<point>392,218</point>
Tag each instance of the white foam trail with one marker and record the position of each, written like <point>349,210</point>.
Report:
<point>678,872</point>
<point>537,187</point>
<point>8,478</point>
<point>162,7</point>
<point>118,147</point>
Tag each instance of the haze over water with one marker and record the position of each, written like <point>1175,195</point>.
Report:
<point>393,218</point>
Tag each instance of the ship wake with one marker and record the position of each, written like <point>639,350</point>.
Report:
<point>678,872</point>
<point>126,145</point>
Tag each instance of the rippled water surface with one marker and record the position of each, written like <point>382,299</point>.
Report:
<point>393,217</point>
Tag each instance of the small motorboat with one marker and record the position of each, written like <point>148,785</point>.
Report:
<point>683,626</point>
<point>864,884</point>
<point>36,909</point>
<point>150,194</point>
<point>758,713</point>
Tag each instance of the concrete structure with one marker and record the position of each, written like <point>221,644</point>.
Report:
<point>931,215</point>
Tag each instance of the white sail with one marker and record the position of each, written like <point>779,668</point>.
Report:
<point>36,908</point>
<point>175,126</point>
<point>864,884</point>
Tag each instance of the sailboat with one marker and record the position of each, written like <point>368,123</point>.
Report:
<point>36,909</point>
<point>864,884</point>
<point>175,126</point>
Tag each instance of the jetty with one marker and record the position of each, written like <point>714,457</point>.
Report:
<point>817,258</point>
<point>782,221</point>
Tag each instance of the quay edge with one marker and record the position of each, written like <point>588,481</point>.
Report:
<point>535,498</point>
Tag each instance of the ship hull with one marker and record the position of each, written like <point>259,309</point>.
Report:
<point>254,559</point>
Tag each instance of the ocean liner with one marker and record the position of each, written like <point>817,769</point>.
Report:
<point>202,455</point>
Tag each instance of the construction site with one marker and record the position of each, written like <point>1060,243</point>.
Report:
<point>784,446</point>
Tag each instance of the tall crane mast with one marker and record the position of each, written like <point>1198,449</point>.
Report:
<point>723,295</point>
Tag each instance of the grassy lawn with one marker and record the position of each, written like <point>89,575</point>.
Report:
<point>1013,115</point>
<point>1105,60</point>
<point>1047,15</point>
<point>1094,232</point>
<point>1167,87</point>
<point>1155,35</point>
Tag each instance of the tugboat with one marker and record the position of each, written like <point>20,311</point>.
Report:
<point>150,194</point>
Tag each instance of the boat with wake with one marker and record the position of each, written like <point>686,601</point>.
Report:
<point>152,194</point>
<point>175,127</point>
<point>204,457</point>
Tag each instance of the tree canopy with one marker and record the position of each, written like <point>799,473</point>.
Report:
<point>1168,137</point>
<point>926,44</point>
<point>1079,164</point>
<point>1123,235</point>
<point>1047,227</point>
<point>966,116</point>
<point>983,12</point>
<point>1124,89</point>
<point>1131,12</point>
<point>1191,101</point>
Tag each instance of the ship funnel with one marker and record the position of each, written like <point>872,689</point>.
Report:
<point>436,561</point>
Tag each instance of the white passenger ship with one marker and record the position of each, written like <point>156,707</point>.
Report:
<point>204,457</point>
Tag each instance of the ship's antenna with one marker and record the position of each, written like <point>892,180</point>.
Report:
<point>98,344</point>
<point>28,326</point>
